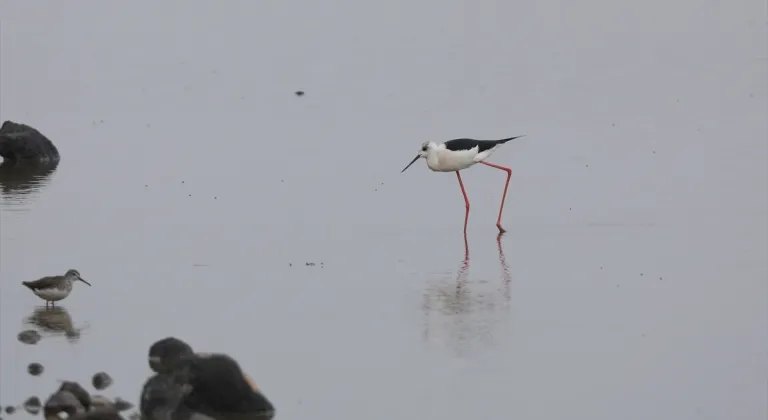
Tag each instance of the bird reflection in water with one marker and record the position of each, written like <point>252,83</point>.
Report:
<point>463,314</point>
<point>55,321</point>
<point>19,181</point>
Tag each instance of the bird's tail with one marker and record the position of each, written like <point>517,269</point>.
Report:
<point>502,141</point>
<point>28,285</point>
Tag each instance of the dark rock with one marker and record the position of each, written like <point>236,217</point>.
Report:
<point>62,402</point>
<point>161,396</point>
<point>165,354</point>
<point>21,143</point>
<point>101,381</point>
<point>299,93</point>
<point>78,391</point>
<point>29,337</point>
<point>35,369</point>
<point>122,405</point>
<point>217,386</point>
<point>33,405</point>
<point>10,409</point>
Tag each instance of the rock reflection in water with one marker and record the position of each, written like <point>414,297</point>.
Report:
<point>19,180</point>
<point>462,314</point>
<point>54,320</point>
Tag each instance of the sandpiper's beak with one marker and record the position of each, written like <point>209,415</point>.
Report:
<point>409,165</point>
<point>81,279</point>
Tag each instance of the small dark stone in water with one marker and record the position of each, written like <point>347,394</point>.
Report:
<point>299,93</point>
<point>33,405</point>
<point>122,405</point>
<point>101,381</point>
<point>10,409</point>
<point>29,337</point>
<point>35,369</point>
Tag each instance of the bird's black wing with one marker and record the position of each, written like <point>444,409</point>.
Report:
<point>469,144</point>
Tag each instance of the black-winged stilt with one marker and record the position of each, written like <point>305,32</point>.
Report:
<point>455,155</point>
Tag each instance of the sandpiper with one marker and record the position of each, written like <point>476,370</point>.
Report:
<point>54,288</point>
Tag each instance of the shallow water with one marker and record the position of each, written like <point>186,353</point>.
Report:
<point>195,187</point>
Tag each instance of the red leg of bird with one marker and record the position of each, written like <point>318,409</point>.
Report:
<point>504,196</point>
<point>466,202</point>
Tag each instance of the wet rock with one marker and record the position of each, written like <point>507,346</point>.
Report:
<point>33,405</point>
<point>62,402</point>
<point>100,401</point>
<point>299,93</point>
<point>161,396</point>
<point>22,144</point>
<point>10,409</point>
<point>101,381</point>
<point>165,354</point>
<point>216,385</point>
<point>122,405</point>
<point>78,391</point>
<point>29,337</point>
<point>35,369</point>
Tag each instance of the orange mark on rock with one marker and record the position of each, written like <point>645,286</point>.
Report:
<point>251,383</point>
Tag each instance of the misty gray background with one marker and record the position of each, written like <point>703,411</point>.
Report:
<point>192,176</point>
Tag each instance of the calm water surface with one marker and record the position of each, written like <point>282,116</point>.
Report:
<point>195,187</point>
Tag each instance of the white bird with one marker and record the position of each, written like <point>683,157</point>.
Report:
<point>458,154</point>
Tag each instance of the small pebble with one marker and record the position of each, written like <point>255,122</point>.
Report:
<point>35,369</point>
<point>33,405</point>
<point>101,381</point>
<point>29,337</point>
<point>299,93</point>
<point>10,409</point>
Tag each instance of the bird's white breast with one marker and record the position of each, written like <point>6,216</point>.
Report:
<point>52,294</point>
<point>444,160</point>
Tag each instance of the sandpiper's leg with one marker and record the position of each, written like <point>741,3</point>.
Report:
<point>504,196</point>
<point>466,202</point>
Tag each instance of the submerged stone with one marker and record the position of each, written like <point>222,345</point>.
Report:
<point>33,405</point>
<point>101,381</point>
<point>29,337</point>
<point>35,369</point>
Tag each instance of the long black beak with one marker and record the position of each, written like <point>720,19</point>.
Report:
<point>81,279</point>
<point>409,165</point>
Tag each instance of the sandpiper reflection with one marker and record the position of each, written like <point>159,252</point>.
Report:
<point>463,314</point>
<point>54,321</point>
<point>19,181</point>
